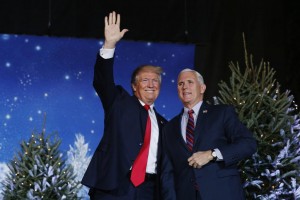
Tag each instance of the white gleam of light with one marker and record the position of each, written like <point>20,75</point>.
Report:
<point>38,48</point>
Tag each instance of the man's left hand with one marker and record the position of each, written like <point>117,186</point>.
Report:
<point>200,158</point>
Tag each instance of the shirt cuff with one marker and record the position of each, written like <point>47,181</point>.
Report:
<point>219,155</point>
<point>106,53</point>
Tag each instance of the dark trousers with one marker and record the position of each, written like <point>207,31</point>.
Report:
<point>198,197</point>
<point>145,191</point>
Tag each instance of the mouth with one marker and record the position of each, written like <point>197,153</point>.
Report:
<point>149,91</point>
<point>186,93</point>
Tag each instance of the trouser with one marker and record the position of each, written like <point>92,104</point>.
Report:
<point>145,191</point>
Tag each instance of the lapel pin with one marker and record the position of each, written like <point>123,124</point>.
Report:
<point>204,111</point>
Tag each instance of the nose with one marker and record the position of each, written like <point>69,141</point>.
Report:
<point>150,83</point>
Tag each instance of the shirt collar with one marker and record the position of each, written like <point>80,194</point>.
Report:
<point>151,106</point>
<point>196,108</point>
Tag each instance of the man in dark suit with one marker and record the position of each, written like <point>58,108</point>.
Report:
<point>202,146</point>
<point>124,165</point>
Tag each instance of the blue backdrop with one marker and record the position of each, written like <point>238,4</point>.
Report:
<point>46,76</point>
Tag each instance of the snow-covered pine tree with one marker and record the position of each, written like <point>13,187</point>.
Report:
<point>273,117</point>
<point>79,159</point>
<point>3,173</point>
<point>38,171</point>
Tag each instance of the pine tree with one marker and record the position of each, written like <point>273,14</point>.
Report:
<point>273,117</point>
<point>38,171</point>
<point>79,159</point>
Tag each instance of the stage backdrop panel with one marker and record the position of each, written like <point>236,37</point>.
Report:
<point>49,76</point>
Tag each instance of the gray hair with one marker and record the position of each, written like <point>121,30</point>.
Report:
<point>198,75</point>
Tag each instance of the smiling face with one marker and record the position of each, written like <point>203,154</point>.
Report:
<point>147,86</point>
<point>190,89</point>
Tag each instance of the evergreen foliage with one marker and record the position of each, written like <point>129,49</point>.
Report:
<point>38,171</point>
<point>273,117</point>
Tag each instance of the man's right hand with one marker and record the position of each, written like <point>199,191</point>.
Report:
<point>112,31</point>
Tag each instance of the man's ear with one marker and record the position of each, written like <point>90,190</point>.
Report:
<point>203,88</point>
<point>133,87</point>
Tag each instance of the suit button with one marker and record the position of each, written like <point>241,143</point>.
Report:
<point>140,144</point>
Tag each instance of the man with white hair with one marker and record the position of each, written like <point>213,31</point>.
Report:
<point>202,147</point>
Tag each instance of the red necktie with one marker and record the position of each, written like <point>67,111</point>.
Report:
<point>190,130</point>
<point>138,171</point>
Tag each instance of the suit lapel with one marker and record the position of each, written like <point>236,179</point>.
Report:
<point>201,123</point>
<point>160,121</point>
<point>179,136</point>
<point>143,115</point>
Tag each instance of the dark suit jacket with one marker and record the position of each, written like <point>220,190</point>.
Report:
<point>124,127</point>
<point>217,127</point>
